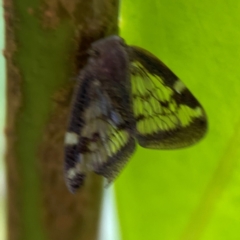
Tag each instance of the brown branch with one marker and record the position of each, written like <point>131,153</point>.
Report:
<point>45,48</point>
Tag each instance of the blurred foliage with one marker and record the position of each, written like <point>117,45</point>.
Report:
<point>193,193</point>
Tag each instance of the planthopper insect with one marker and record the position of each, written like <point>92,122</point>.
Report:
<point>125,95</point>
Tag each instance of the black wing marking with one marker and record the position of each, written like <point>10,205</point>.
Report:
<point>97,139</point>
<point>167,114</point>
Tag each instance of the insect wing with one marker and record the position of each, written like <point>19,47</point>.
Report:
<point>96,140</point>
<point>167,114</point>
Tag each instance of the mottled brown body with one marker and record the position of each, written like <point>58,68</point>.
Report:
<point>125,94</point>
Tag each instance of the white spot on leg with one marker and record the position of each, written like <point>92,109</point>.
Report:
<point>179,86</point>
<point>71,138</point>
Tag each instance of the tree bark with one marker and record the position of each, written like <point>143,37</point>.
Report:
<point>46,45</point>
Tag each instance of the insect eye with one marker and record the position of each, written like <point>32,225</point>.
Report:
<point>93,53</point>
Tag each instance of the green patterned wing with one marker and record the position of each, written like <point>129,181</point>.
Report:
<point>167,115</point>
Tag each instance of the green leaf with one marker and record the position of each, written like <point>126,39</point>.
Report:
<point>193,193</point>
